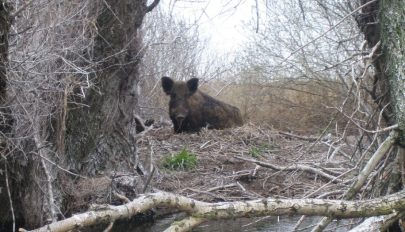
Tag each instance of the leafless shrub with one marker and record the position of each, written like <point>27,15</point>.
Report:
<point>49,57</point>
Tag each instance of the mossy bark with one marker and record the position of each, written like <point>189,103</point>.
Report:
<point>392,24</point>
<point>391,19</point>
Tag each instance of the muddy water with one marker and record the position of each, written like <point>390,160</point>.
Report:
<point>266,224</point>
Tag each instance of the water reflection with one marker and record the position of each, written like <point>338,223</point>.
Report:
<point>264,224</point>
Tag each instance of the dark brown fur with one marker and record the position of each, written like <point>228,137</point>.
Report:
<point>190,109</point>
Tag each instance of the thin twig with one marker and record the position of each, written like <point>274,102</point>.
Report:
<point>8,191</point>
<point>19,10</point>
<point>324,33</point>
<point>362,177</point>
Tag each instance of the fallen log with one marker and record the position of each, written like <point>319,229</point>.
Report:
<point>203,211</point>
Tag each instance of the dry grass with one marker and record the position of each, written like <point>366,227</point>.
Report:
<point>287,104</point>
<point>304,106</point>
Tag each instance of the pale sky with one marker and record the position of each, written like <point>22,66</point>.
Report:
<point>219,20</point>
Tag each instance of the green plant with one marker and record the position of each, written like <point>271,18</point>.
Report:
<point>255,152</point>
<point>260,149</point>
<point>182,160</point>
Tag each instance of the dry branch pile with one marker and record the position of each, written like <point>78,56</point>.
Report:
<point>240,167</point>
<point>249,162</point>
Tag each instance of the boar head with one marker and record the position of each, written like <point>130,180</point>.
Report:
<point>179,92</point>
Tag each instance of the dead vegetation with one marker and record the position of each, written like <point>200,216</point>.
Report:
<point>287,104</point>
<point>249,162</point>
<point>246,163</point>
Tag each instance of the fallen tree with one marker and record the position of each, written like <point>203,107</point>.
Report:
<point>203,211</point>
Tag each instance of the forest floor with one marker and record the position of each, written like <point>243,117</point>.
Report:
<point>248,162</point>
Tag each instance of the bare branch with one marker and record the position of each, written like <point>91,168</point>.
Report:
<point>326,32</point>
<point>293,167</point>
<point>8,191</point>
<point>19,10</point>
<point>362,177</point>
<point>152,5</point>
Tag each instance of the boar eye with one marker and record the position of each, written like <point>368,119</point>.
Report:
<point>173,95</point>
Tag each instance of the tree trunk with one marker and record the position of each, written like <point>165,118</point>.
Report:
<point>97,136</point>
<point>4,30</point>
<point>368,23</point>
<point>6,214</point>
<point>100,135</point>
<point>392,23</point>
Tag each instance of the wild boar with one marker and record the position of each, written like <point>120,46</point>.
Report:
<point>190,109</point>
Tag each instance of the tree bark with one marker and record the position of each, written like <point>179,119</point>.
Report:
<point>6,211</point>
<point>368,23</point>
<point>392,26</point>
<point>4,31</point>
<point>101,135</point>
<point>95,138</point>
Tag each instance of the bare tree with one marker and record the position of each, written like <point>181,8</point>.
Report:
<point>172,47</point>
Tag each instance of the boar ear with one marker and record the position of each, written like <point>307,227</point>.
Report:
<point>192,84</point>
<point>167,84</point>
